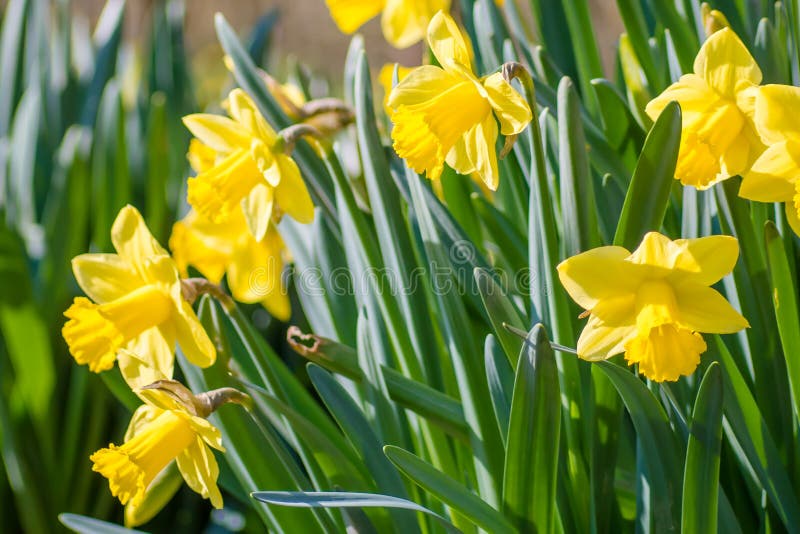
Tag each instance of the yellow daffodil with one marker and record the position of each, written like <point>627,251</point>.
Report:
<point>718,139</point>
<point>774,177</point>
<point>448,114</point>
<point>250,169</point>
<point>135,302</point>
<point>253,267</point>
<point>403,21</point>
<point>161,431</point>
<point>386,79</point>
<point>654,303</point>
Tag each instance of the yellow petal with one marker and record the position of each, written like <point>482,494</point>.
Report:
<point>599,341</point>
<point>132,239</point>
<point>793,217</point>
<point>245,112</point>
<point>447,42</point>
<point>201,157</point>
<point>257,209</point>
<point>291,194</point>
<point>255,275</point>
<point>723,61</point>
<point>703,309</point>
<point>691,92</point>
<point>218,192</point>
<point>772,176</point>
<point>508,105</point>
<point>349,15</point>
<point>598,274</point>
<point>146,359</point>
<point>200,471</point>
<point>386,79</point>
<point>777,113</point>
<point>404,22</point>
<point>205,245</point>
<point>475,153</point>
<point>192,337</point>
<point>105,277</point>
<point>705,260</point>
<point>217,132</point>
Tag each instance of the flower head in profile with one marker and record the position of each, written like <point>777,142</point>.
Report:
<point>775,175</point>
<point>253,267</point>
<point>135,302</point>
<point>446,114</point>
<point>718,139</point>
<point>653,304</point>
<point>403,21</point>
<point>249,171</point>
<point>170,426</point>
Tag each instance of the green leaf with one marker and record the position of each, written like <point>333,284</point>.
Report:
<point>784,300</point>
<point>88,525</point>
<point>11,53</point>
<point>331,499</point>
<point>529,482</point>
<point>500,377</point>
<point>658,445</point>
<point>449,491</point>
<point>701,476</point>
<point>648,195</point>
<point>501,310</point>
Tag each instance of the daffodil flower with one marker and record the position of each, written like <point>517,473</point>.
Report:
<point>718,139</point>
<point>774,175</point>
<point>250,169</point>
<point>136,303</point>
<point>386,79</point>
<point>654,303</point>
<point>253,267</point>
<point>403,21</point>
<point>447,114</point>
<point>161,431</point>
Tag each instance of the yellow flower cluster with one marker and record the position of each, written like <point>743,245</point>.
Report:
<point>139,300</point>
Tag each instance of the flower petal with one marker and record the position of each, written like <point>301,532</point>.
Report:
<point>705,260</point>
<point>599,341</point>
<point>291,194</point>
<point>257,209</point>
<point>772,176</point>
<point>723,61</point>
<point>508,105</point>
<point>598,274</point>
<point>245,112</point>
<point>148,358</point>
<point>404,22</point>
<point>132,239</point>
<point>219,133</point>
<point>691,92</point>
<point>349,15</point>
<point>200,471</point>
<point>475,152</point>
<point>202,244</point>
<point>447,42</point>
<point>192,337</point>
<point>105,277</point>
<point>256,275</point>
<point>703,309</point>
<point>777,113</point>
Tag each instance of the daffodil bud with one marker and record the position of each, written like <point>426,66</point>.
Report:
<point>202,404</point>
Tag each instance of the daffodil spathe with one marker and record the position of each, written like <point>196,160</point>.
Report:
<point>718,139</point>
<point>253,267</point>
<point>775,175</point>
<point>136,302</point>
<point>653,304</point>
<point>250,169</point>
<point>403,21</point>
<point>161,431</point>
<point>448,114</point>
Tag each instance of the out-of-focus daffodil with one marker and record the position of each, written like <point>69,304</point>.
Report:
<point>250,169</point>
<point>448,114</point>
<point>136,302</point>
<point>386,79</point>
<point>253,267</point>
<point>775,175</point>
<point>161,431</point>
<point>718,139</point>
<point>654,303</point>
<point>403,21</point>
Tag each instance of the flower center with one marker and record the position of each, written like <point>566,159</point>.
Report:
<point>95,332</point>
<point>131,467</point>
<point>665,352</point>
<point>220,190</point>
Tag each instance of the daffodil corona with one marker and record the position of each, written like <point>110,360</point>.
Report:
<point>446,114</point>
<point>136,302</point>
<point>653,304</point>
<point>249,169</point>
<point>775,175</point>
<point>718,139</point>
<point>161,431</point>
<point>253,267</point>
<point>403,21</point>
